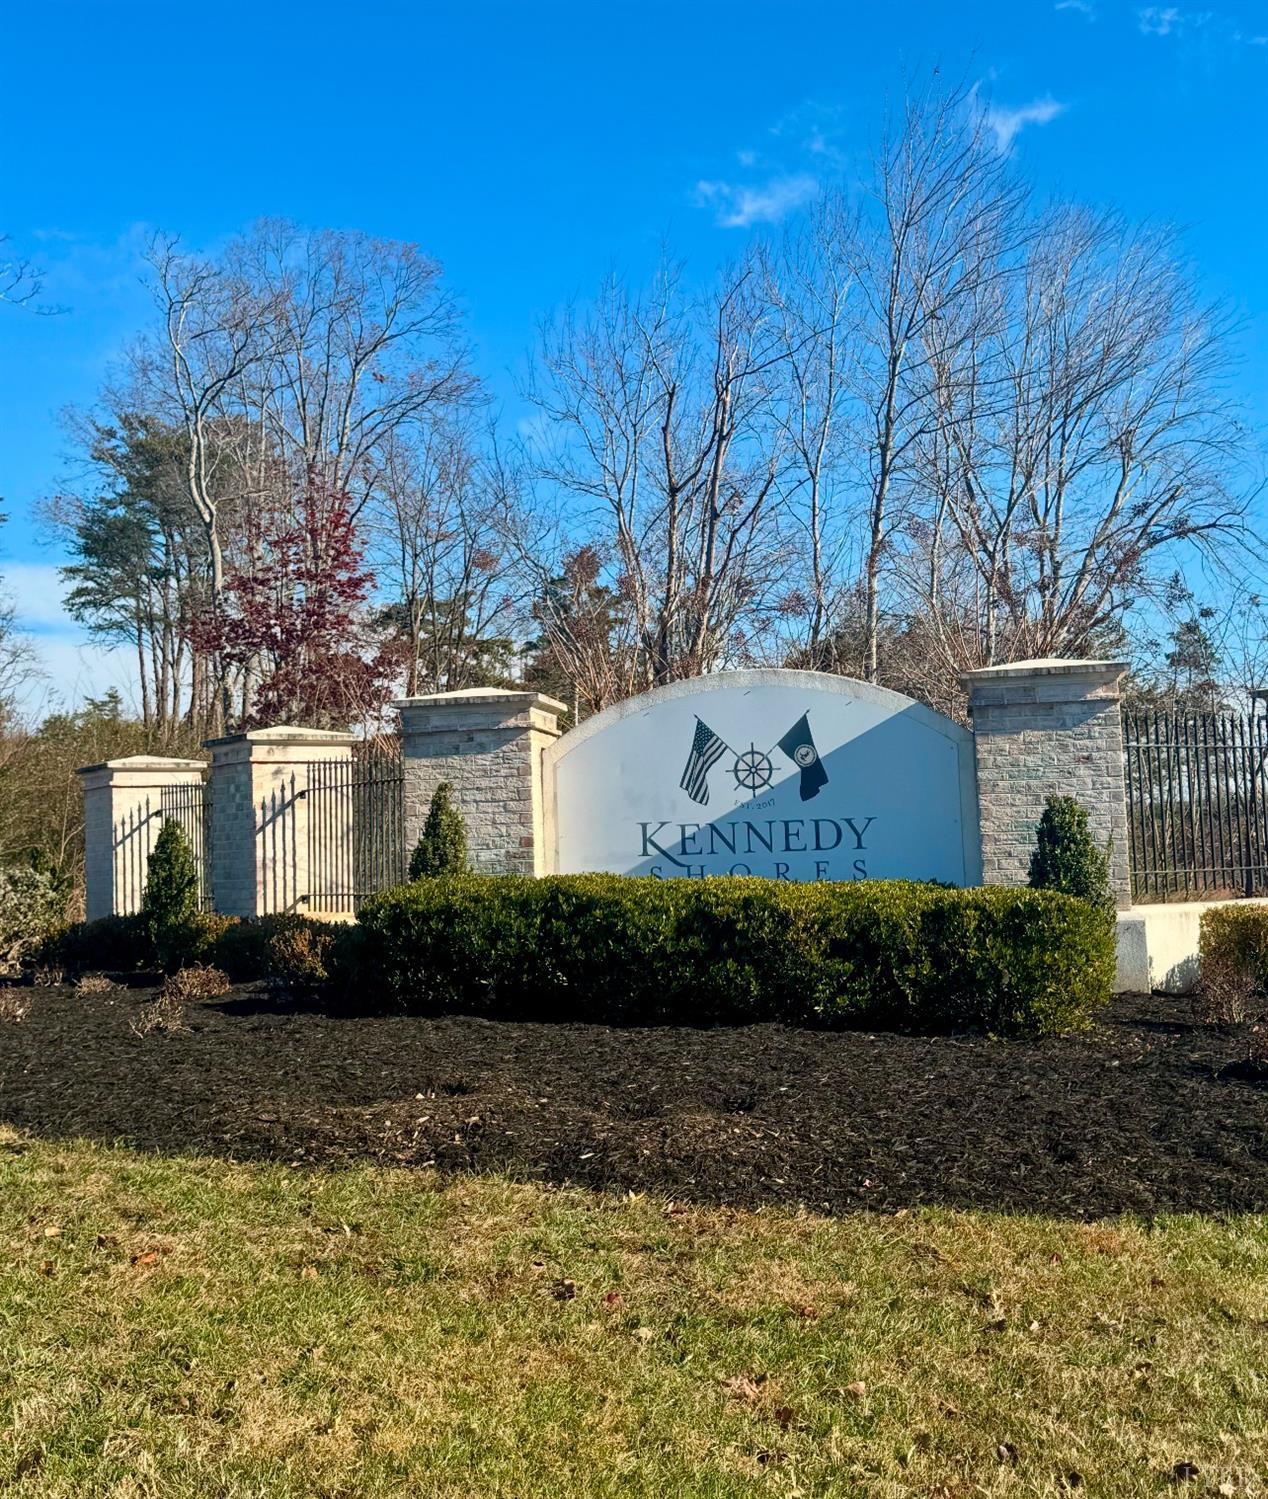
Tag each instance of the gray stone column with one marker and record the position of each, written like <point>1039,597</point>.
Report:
<point>123,812</point>
<point>260,817</point>
<point>487,743</point>
<point>1041,727</point>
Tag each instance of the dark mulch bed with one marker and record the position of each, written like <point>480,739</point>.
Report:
<point>1135,1117</point>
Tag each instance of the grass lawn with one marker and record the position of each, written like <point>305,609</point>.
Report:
<point>190,1326</point>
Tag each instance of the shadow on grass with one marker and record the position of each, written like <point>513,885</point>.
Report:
<point>1132,1117</point>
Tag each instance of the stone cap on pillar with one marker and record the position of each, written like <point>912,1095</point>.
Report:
<point>480,707</point>
<point>1047,680</point>
<point>141,770</point>
<point>274,743</point>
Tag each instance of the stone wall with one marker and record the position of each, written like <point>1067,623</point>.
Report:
<point>1039,727</point>
<point>259,817</point>
<point>1042,727</point>
<point>123,802</point>
<point>487,743</point>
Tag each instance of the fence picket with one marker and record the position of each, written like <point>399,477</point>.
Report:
<point>356,822</point>
<point>1197,813</point>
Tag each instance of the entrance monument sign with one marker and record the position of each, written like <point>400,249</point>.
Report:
<point>787,774</point>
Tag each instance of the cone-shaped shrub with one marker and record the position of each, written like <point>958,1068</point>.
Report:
<point>1066,857</point>
<point>170,899</point>
<point>442,845</point>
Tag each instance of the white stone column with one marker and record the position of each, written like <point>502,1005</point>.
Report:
<point>487,743</point>
<point>260,822</point>
<point>1044,727</point>
<point>123,812</point>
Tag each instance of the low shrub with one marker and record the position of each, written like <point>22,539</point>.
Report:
<point>92,984</point>
<point>165,1013</point>
<point>1234,939</point>
<point>267,947</point>
<point>118,944</point>
<point>298,958</point>
<point>32,907</point>
<point>1226,995</point>
<point>197,982</point>
<point>285,948</point>
<point>614,949</point>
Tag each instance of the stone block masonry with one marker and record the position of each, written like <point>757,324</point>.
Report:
<point>123,802</point>
<point>488,744</point>
<point>1039,727</point>
<point>1043,727</point>
<point>259,817</point>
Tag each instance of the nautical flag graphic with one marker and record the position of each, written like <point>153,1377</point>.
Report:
<point>706,750</point>
<point>799,746</point>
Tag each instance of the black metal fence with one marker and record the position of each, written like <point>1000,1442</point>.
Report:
<point>191,807</point>
<point>1197,808</point>
<point>356,828</point>
<point>282,881</point>
<point>131,842</point>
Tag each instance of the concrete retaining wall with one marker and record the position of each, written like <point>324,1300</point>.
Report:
<point>1158,945</point>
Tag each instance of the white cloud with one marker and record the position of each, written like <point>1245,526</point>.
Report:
<point>1158,20</point>
<point>738,206</point>
<point>746,158</point>
<point>1171,21</point>
<point>1168,20</point>
<point>1083,7</point>
<point>1006,123</point>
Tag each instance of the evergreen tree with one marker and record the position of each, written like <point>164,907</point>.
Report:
<point>442,846</point>
<point>1066,857</point>
<point>170,899</point>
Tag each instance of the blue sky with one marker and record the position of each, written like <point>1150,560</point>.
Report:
<point>532,148</point>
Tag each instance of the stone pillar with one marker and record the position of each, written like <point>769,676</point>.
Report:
<point>487,743</point>
<point>260,820</point>
<point>1041,727</point>
<point>123,812</point>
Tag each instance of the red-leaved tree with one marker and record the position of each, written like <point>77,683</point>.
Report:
<point>293,628</point>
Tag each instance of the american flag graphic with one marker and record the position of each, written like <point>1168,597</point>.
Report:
<point>706,750</point>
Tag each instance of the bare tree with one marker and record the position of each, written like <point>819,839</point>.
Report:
<point>444,557</point>
<point>809,279</point>
<point>935,238</point>
<point>22,281</point>
<point>215,331</point>
<point>363,342</point>
<point>292,357</point>
<point>658,406</point>
<point>1083,440</point>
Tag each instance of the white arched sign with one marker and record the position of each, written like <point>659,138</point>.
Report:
<point>789,774</point>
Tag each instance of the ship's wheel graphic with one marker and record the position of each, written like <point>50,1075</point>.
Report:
<point>752,769</point>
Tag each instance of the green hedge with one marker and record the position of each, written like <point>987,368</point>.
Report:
<point>285,947</point>
<point>1235,938</point>
<point>614,949</point>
